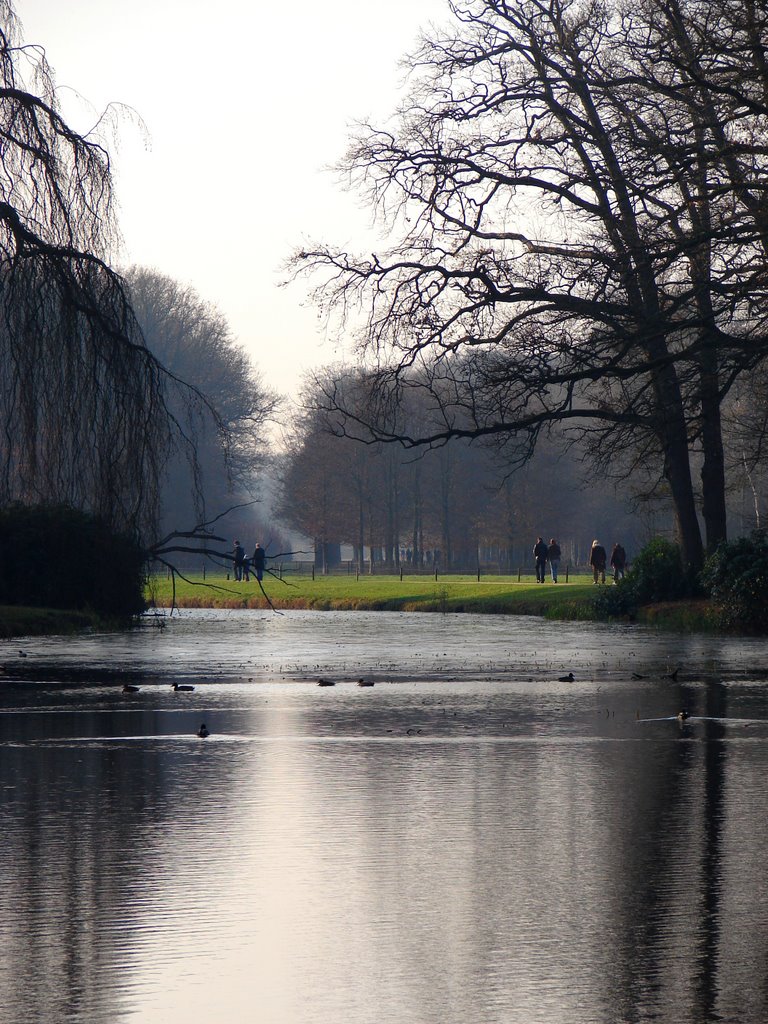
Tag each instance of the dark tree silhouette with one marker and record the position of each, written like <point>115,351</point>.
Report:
<point>84,413</point>
<point>575,193</point>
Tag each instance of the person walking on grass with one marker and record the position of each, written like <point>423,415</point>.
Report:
<point>540,550</point>
<point>618,562</point>
<point>553,555</point>
<point>597,560</point>
<point>238,557</point>
<point>259,561</point>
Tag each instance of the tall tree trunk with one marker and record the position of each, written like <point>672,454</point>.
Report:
<point>416,517</point>
<point>713,466</point>
<point>446,480</point>
<point>360,532</point>
<point>677,470</point>
<point>673,436</point>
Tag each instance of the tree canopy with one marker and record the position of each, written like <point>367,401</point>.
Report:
<point>452,506</point>
<point>193,341</point>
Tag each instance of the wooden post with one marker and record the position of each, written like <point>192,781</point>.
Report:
<point>401,574</point>
<point>203,572</point>
<point>313,571</point>
<point>519,573</point>
<point>435,575</point>
<point>566,573</point>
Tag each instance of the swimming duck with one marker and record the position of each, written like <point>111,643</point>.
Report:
<point>202,732</point>
<point>682,715</point>
<point>365,682</point>
<point>566,679</point>
<point>325,682</point>
<point>178,687</point>
<point>130,688</point>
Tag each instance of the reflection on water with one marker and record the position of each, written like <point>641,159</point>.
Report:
<point>468,841</point>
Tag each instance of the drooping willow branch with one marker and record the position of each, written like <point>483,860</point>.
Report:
<point>85,409</point>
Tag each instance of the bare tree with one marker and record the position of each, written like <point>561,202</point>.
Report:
<point>459,500</point>
<point>578,235</point>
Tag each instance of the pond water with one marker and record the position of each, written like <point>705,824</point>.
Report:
<point>469,841</point>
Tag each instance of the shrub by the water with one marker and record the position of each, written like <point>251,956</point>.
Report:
<point>59,557</point>
<point>736,578</point>
<point>657,574</point>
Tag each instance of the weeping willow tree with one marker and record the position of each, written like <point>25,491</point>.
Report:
<point>84,409</point>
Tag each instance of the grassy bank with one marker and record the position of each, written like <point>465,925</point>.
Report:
<point>491,595</point>
<point>15,621</point>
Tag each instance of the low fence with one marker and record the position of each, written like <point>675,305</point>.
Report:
<point>404,570</point>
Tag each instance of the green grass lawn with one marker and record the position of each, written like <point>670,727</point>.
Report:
<point>492,594</point>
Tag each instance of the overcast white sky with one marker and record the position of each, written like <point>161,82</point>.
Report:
<point>246,103</point>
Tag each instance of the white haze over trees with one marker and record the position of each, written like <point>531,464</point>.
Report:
<point>193,341</point>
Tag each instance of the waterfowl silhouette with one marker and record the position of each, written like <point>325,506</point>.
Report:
<point>566,679</point>
<point>178,687</point>
<point>365,682</point>
<point>325,682</point>
<point>682,715</point>
<point>202,732</point>
<point>130,688</point>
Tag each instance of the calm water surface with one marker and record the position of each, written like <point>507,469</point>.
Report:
<point>470,841</point>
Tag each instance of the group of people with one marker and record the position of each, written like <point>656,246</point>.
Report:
<point>597,559</point>
<point>545,553</point>
<point>243,565</point>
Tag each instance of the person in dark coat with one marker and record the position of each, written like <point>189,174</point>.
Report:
<point>618,562</point>
<point>238,557</point>
<point>553,556</point>
<point>540,554</point>
<point>258,561</point>
<point>597,559</point>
